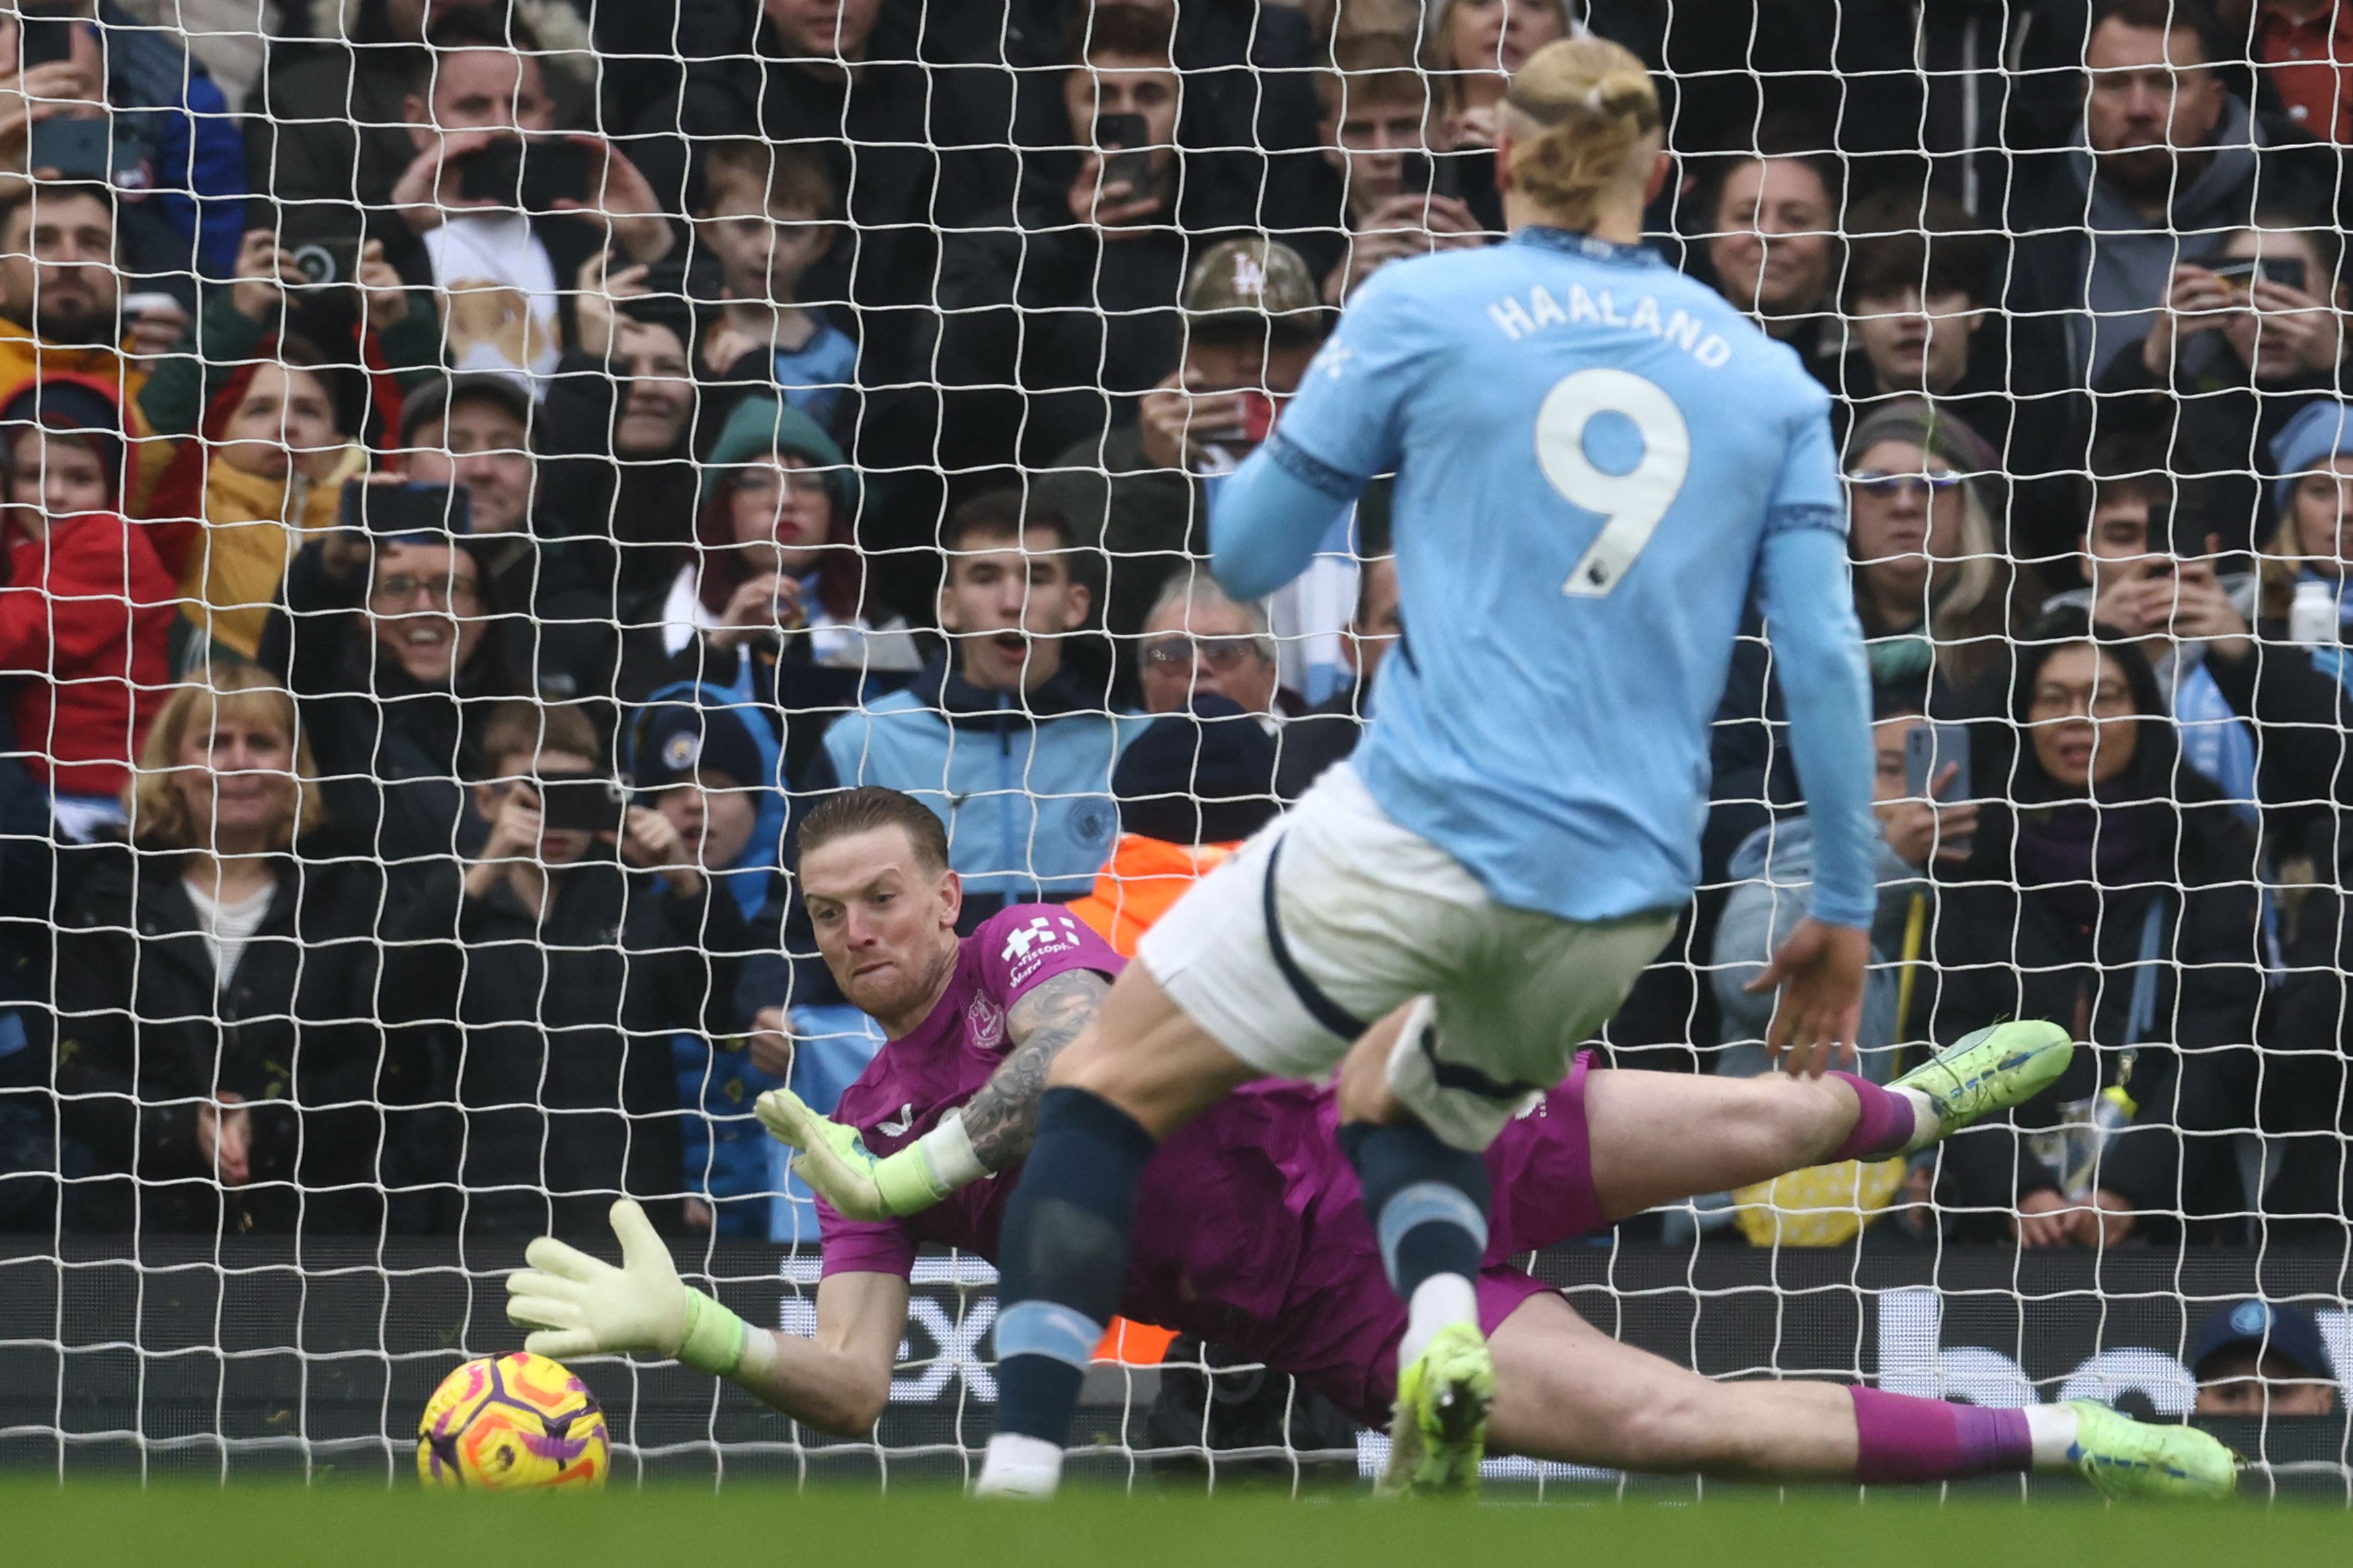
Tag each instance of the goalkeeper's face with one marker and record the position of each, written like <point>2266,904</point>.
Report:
<point>884,918</point>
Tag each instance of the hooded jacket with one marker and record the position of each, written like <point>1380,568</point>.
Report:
<point>2100,267</point>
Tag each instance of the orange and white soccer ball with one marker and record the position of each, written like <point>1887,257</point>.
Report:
<point>511,1422</point>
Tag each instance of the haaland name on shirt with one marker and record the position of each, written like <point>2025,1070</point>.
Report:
<point>1686,331</point>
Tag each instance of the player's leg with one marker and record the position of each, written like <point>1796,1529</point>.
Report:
<point>1139,1072</point>
<point>1219,996</point>
<point>1503,1029</point>
<point>1569,1392</point>
<point>1658,1137</point>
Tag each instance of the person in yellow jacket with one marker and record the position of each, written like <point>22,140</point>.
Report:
<point>273,480</point>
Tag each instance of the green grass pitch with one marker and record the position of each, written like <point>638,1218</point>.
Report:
<point>259,1525</point>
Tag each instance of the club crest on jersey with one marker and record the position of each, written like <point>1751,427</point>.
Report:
<point>983,1024</point>
<point>1026,947</point>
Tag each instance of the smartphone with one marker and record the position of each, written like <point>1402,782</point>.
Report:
<point>80,147</point>
<point>1928,751</point>
<point>384,512</point>
<point>1258,412</point>
<point>580,803</point>
<point>42,37</point>
<point>532,173</point>
<point>2245,273</point>
<point>1125,141</point>
<point>1421,173</point>
<point>329,262</point>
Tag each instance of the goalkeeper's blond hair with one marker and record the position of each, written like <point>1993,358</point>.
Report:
<point>1583,115</point>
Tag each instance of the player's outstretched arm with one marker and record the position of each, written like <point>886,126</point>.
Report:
<point>1817,653</point>
<point>579,1305</point>
<point>992,1129</point>
<point>1266,523</point>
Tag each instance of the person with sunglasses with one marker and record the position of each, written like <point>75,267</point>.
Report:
<point>1198,642</point>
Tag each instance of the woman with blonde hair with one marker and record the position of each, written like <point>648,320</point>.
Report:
<point>219,977</point>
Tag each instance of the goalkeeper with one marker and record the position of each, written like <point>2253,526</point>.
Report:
<point>1248,1230</point>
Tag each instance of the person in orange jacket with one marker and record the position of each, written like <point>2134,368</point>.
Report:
<point>1191,787</point>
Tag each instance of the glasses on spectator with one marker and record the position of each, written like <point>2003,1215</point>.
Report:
<point>2057,699</point>
<point>1221,654</point>
<point>762,481</point>
<point>402,588</point>
<point>1881,482</point>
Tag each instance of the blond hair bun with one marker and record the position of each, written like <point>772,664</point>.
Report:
<point>1584,108</point>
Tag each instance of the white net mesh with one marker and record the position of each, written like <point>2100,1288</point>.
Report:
<point>596,431</point>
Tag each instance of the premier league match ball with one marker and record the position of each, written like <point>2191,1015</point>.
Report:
<point>512,1421</point>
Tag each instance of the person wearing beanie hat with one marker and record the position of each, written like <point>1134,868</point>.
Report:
<point>775,595</point>
<point>1191,786</point>
<point>2260,1358</point>
<point>87,609</point>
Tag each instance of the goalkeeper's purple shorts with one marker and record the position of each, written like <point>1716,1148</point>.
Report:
<point>1341,1321</point>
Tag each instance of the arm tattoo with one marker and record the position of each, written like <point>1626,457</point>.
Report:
<point>1002,1119</point>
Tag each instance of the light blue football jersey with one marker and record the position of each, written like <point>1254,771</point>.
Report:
<point>1591,450</point>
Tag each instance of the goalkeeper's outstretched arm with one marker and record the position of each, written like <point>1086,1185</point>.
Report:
<point>578,1305</point>
<point>992,1130</point>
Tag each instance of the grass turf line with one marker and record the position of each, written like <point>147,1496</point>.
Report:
<point>86,1523</point>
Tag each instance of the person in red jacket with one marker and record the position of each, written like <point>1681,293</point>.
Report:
<point>87,609</point>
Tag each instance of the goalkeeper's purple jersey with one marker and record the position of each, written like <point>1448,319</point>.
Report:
<point>1250,1225</point>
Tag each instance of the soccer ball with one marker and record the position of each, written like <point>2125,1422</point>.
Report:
<point>510,1422</point>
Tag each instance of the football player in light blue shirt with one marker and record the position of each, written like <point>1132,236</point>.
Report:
<point>1595,460</point>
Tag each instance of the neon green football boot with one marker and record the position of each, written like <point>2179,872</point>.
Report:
<point>1439,1431</point>
<point>1992,1070</point>
<point>2127,1459</point>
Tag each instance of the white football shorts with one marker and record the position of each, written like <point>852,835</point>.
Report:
<point>1332,916</point>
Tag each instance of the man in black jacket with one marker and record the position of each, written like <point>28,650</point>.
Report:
<point>565,974</point>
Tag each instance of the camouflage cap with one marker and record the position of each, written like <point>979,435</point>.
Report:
<point>1255,281</point>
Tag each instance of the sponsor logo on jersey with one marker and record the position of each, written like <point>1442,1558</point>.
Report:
<point>1026,947</point>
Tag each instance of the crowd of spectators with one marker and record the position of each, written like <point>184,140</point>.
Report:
<point>472,471</point>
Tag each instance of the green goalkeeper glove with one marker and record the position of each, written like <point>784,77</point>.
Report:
<point>835,1162</point>
<point>579,1305</point>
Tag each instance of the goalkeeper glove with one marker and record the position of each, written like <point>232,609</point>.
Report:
<point>835,1164</point>
<point>579,1305</point>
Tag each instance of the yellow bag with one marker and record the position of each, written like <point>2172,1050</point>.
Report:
<point>1821,1206</point>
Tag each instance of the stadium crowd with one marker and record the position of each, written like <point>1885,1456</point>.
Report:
<point>475,472</point>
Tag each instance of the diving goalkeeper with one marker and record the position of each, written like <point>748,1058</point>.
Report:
<point>1248,1230</point>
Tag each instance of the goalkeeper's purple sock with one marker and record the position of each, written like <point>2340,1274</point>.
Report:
<point>1903,1440</point>
<point>1883,1127</point>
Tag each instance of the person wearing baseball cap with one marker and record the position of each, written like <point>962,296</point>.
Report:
<point>1253,321</point>
<point>2254,1357</point>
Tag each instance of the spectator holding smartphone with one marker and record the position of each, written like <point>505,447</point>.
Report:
<point>567,956</point>
<point>774,599</point>
<point>479,105</point>
<point>707,762</point>
<point>1378,136</point>
<point>2243,343</point>
<point>1077,306</point>
<point>1253,319</point>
